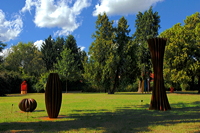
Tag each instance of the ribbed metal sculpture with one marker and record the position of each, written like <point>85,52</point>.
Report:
<point>27,105</point>
<point>53,95</point>
<point>159,100</point>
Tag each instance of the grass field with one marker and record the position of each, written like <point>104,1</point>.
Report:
<point>103,113</point>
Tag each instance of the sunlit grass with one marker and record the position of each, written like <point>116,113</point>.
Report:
<point>103,113</point>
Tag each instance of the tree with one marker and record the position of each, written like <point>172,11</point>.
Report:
<point>182,52</point>
<point>58,46</point>
<point>71,44</point>
<point>67,67</point>
<point>48,53</point>
<point>51,50</point>
<point>2,45</point>
<point>110,56</point>
<point>97,69</point>
<point>125,59</point>
<point>25,58</point>
<point>147,25</point>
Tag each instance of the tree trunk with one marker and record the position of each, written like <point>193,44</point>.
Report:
<point>192,83</point>
<point>66,85</point>
<point>198,84</point>
<point>112,91</point>
<point>159,100</point>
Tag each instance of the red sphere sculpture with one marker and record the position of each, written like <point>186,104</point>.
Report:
<point>27,105</point>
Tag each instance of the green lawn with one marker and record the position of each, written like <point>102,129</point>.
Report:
<point>103,113</point>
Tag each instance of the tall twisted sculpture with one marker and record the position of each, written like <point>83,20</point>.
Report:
<point>159,100</point>
<point>53,95</point>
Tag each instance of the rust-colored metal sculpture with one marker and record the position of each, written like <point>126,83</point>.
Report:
<point>53,95</point>
<point>159,100</point>
<point>27,105</point>
<point>24,87</point>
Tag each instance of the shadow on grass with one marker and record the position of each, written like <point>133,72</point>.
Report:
<point>133,93</point>
<point>122,120</point>
<point>150,93</point>
<point>187,92</point>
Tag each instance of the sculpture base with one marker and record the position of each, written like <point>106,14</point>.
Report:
<point>23,92</point>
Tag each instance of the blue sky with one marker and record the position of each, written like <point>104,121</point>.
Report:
<point>34,20</point>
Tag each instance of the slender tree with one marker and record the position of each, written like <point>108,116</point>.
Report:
<point>97,70</point>
<point>110,59</point>
<point>147,25</point>
<point>68,67</point>
<point>48,53</point>
<point>125,58</point>
<point>51,50</point>
<point>71,44</point>
<point>58,46</point>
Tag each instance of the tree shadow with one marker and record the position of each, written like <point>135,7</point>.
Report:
<point>186,92</point>
<point>133,93</point>
<point>123,119</point>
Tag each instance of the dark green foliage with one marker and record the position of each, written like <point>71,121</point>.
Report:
<point>41,83</point>
<point>147,25</point>
<point>3,87</point>
<point>76,52</point>
<point>2,45</point>
<point>25,59</point>
<point>182,53</point>
<point>97,69</point>
<point>51,50</point>
<point>69,66</point>
<point>59,43</point>
<point>10,82</point>
<point>48,53</point>
<point>112,58</point>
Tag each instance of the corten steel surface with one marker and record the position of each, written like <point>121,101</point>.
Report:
<point>53,95</point>
<point>27,105</point>
<point>159,100</point>
<point>24,87</point>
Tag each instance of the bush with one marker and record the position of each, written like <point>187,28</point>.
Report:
<point>31,81</point>
<point>10,82</point>
<point>41,84</point>
<point>3,85</point>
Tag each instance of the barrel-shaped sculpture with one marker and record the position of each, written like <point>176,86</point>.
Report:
<point>53,95</point>
<point>27,105</point>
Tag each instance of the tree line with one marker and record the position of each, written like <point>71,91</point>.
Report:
<point>116,60</point>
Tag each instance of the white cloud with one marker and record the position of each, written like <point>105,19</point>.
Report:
<point>116,22</point>
<point>10,29</point>
<point>122,7</point>
<point>38,44</point>
<point>5,52</point>
<point>50,13</point>
<point>82,48</point>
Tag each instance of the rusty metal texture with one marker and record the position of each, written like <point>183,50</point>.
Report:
<point>159,100</point>
<point>27,105</point>
<point>53,95</point>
